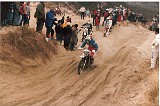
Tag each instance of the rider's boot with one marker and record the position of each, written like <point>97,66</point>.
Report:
<point>92,60</point>
<point>104,34</point>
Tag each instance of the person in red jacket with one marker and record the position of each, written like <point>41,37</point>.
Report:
<point>119,16</point>
<point>106,14</point>
<point>94,16</point>
<point>97,21</point>
<point>24,14</point>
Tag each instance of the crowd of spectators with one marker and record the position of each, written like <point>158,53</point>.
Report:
<point>18,14</point>
<point>119,13</point>
<point>15,13</point>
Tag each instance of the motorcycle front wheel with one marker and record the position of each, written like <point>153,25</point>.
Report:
<point>81,66</point>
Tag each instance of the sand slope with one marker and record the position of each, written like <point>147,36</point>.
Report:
<point>120,76</point>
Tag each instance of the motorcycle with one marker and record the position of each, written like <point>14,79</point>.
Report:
<point>85,62</point>
<point>85,33</point>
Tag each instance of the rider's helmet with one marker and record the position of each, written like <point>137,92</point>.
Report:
<point>89,22</point>
<point>76,25</point>
<point>88,39</point>
<point>85,29</point>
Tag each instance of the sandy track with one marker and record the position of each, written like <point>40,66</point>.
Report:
<point>120,75</point>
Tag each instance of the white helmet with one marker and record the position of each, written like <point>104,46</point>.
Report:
<point>89,22</point>
<point>88,37</point>
<point>85,29</point>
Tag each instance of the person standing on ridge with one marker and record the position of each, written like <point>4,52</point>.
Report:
<point>49,23</point>
<point>97,21</point>
<point>16,21</point>
<point>155,49</point>
<point>94,17</point>
<point>74,37</point>
<point>82,10</point>
<point>40,16</point>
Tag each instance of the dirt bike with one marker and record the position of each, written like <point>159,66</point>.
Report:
<point>86,61</point>
<point>85,33</point>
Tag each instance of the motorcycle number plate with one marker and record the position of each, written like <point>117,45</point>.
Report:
<point>82,56</point>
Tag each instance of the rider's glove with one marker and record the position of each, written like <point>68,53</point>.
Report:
<point>93,51</point>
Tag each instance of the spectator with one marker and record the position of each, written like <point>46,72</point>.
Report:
<point>114,21</point>
<point>129,15</point>
<point>124,14</point>
<point>119,16</point>
<point>62,20</point>
<point>155,22</point>
<point>110,20</point>
<point>99,12</point>
<point>88,13</point>
<point>97,21</point>
<point>67,31</point>
<point>82,10</point>
<point>24,14</point>
<point>94,16</point>
<point>68,19</point>
<point>4,9</point>
<point>40,16</point>
<point>155,49</point>
<point>28,13</point>
<point>106,14</point>
<point>16,20</point>
<point>49,23</point>
<point>106,27</point>
<point>59,30</point>
<point>10,13</point>
<point>92,13</point>
<point>74,38</point>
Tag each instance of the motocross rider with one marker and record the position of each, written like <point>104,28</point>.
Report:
<point>92,46</point>
<point>89,26</point>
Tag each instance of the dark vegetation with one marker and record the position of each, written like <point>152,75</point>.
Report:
<point>24,43</point>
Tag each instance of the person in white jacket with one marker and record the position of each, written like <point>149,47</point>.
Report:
<point>110,20</point>
<point>155,49</point>
<point>82,10</point>
<point>108,25</point>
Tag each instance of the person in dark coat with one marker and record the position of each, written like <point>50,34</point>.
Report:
<point>4,9</point>
<point>16,20</point>
<point>10,13</point>
<point>59,32</point>
<point>94,17</point>
<point>67,31</point>
<point>40,16</point>
<point>74,37</point>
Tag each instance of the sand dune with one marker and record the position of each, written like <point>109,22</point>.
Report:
<point>120,76</point>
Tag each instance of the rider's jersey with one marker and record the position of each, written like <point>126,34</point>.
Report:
<point>92,44</point>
